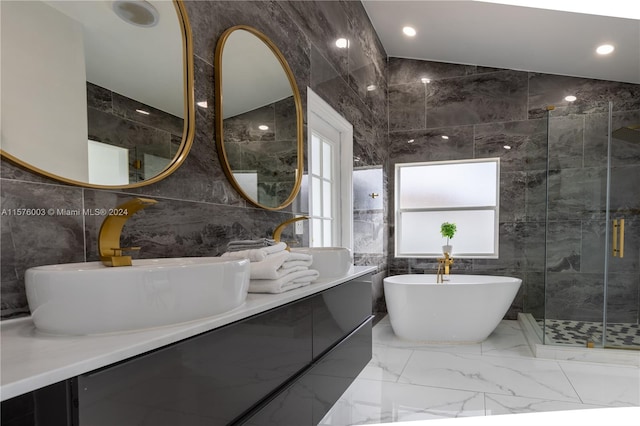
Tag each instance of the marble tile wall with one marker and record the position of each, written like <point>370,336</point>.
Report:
<point>271,154</point>
<point>112,119</point>
<point>482,110</point>
<point>198,210</point>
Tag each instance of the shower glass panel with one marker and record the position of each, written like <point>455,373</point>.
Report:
<point>592,188</point>
<point>622,303</point>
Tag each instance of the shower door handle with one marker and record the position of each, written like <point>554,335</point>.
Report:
<point>618,238</point>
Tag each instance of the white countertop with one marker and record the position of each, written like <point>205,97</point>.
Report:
<point>31,359</point>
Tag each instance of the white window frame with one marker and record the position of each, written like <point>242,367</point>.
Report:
<point>495,208</point>
<point>318,109</point>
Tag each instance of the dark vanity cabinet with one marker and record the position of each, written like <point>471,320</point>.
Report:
<point>285,366</point>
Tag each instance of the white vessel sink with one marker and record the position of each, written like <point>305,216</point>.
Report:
<point>90,298</point>
<point>330,262</point>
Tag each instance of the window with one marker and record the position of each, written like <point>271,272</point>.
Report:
<point>329,180</point>
<point>324,198</point>
<point>464,192</point>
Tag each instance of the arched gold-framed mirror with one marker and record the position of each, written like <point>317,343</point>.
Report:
<point>259,128</point>
<point>94,97</point>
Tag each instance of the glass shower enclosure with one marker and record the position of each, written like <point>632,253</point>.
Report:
<point>592,227</point>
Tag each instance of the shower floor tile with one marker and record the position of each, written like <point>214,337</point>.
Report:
<point>577,332</point>
<point>408,381</point>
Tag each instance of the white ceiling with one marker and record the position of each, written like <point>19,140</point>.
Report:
<point>514,37</point>
<point>144,64</point>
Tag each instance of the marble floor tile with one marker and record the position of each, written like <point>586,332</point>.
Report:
<point>496,404</point>
<point>509,376</point>
<point>613,386</point>
<point>410,381</point>
<point>386,364</point>
<point>507,340</point>
<point>371,401</point>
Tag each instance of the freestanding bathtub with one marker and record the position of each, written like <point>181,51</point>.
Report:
<point>465,309</point>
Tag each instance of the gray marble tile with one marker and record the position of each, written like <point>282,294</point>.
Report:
<point>526,141</point>
<point>512,196</point>
<point>576,296</point>
<point>324,22</point>
<point>593,95</point>
<point>534,246</point>
<point>403,71</point>
<point>158,119</point>
<point>596,133</point>
<point>99,98</point>
<point>173,228</point>
<point>534,297</point>
<point>536,195</point>
<point>563,246</point>
<point>576,194</point>
<point>623,304</point>
<point>428,145</point>
<point>407,106</point>
<point>52,234</point>
<point>593,245</point>
<point>481,98</point>
<point>566,142</point>
<point>124,133</point>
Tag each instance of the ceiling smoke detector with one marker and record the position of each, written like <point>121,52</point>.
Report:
<point>136,12</point>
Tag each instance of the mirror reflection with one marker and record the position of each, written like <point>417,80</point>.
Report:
<point>94,92</point>
<point>259,124</point>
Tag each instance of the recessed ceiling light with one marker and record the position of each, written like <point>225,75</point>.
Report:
<point>425,80</point>
<point>342,43</point>
<point>411,141</point>
<point>203,104</point>
<point>139,13</point>
<point>605,49</point>
<point>141,111</point>
<point>507,147</point>
<point>371,87</point>
<point>409,31</point>
<point>570,98</point>
<point>263,127</point>
<point>445,137</point>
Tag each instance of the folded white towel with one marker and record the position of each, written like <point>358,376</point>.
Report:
<point>297,259</point>
<point>256,255</point>
<point>269,267</point>
<point>288,282</point>
<point>250,244</point>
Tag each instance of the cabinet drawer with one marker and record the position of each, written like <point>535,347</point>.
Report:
<point>338,311</point>
<point>209,379</point>
<point>333,374</point>
<point>306,401</point>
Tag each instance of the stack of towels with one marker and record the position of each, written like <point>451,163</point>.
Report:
<point>273,268</point>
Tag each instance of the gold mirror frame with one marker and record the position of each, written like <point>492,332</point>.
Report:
<point>222,154</point>
<point>189,120</point>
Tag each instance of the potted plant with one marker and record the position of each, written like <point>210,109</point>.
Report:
<point>447,230</point>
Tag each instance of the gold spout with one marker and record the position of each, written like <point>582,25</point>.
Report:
<point>278,231</point>
<point>111,254</point>
<point>444,265</point>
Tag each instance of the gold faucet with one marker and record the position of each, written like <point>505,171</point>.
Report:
<point>444,264</point>
<point>111,254</point>
<point>278,231</point>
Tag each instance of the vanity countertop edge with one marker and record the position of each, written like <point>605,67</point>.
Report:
<point>31,360</point>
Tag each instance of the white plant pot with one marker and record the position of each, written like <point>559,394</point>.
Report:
<point>447,249</point>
